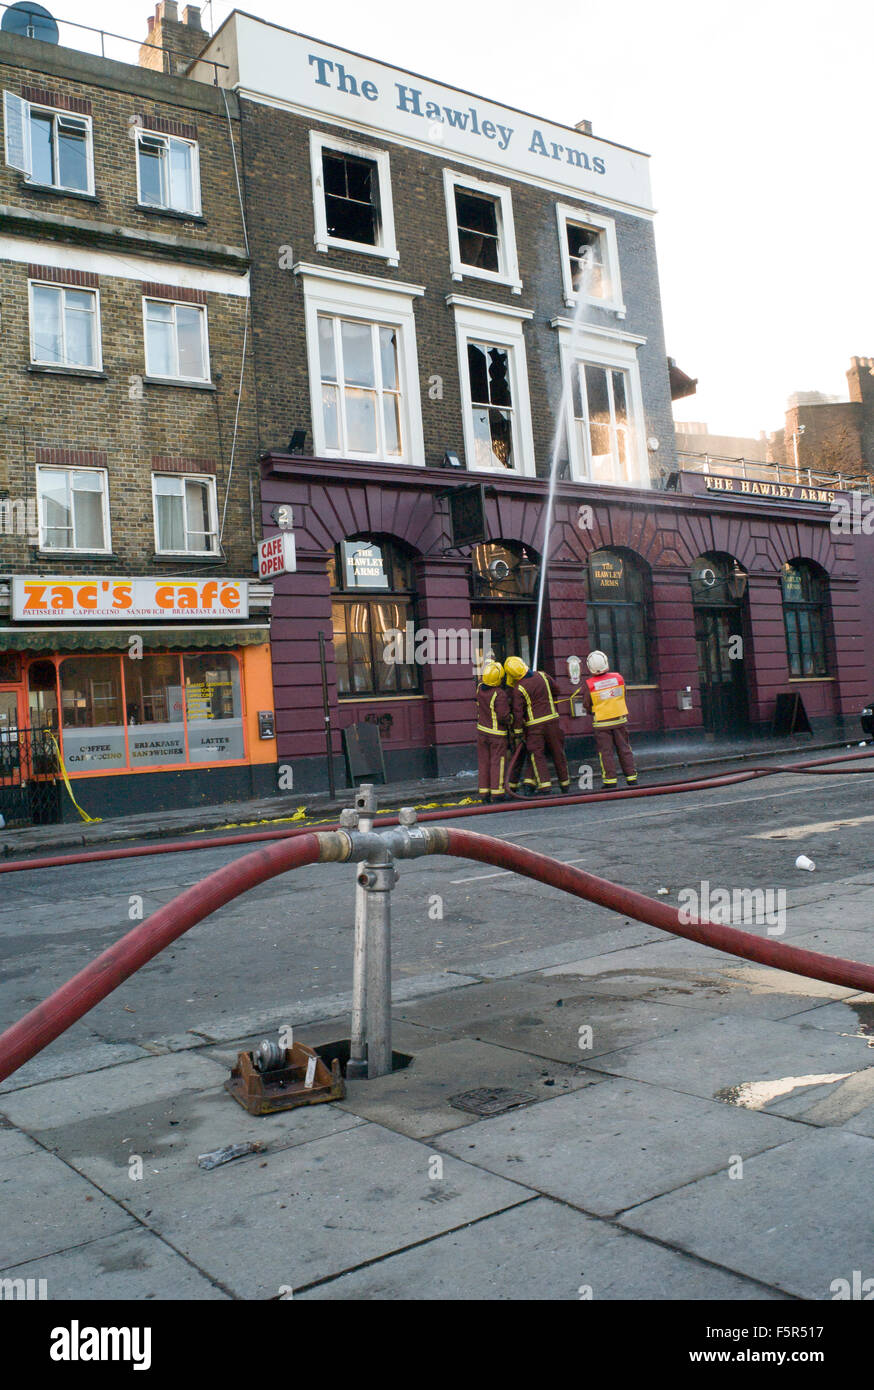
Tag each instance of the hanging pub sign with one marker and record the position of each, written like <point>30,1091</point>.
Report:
<point>606,576</point>
<point>467,515</point>
<point>364,566</point>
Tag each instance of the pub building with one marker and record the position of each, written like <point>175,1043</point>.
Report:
<point>439,281</point>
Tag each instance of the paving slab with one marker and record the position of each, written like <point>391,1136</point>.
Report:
<point>415,1101</point>
<point>46,1207</point>
<point>62,1059</point>
<point>318,1209</point>
<point>852,1015</point>
<point>133,1265</point>
<point>799,1218</point>
<point>612,1146</point>
<point>721,1055</point>
<point>13,1143</point>
<point>557,1254</point>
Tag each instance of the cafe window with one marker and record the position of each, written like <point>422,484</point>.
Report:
<point>618,613</point>
<point>163,709</point>
<point>374,601</point>
<point>805,616</point>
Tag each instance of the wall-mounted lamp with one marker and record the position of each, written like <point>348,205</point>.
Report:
<point>451,460</point>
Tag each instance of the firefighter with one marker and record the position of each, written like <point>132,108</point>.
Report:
<point>604,699</point>
<point>494,719</point>
<point>536,719</point>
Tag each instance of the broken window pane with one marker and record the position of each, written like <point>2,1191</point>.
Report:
<point>587,260</point>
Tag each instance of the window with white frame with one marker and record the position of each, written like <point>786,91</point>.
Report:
<point>482,240</point>
<point>51,147</point>
<point>64,326</point>
<point>589,258</point>
<point>361,348</point>
<point>494,386</point>
<point>185,514</point>
<point>605,418</point>
<point>73,509</point>
<point>352,199</point>
<point>177,347</point>
<point>168,172</point>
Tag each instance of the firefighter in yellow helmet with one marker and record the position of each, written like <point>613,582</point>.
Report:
<point>494,720</point>
<point>536,718</point>
<point>604,699</point>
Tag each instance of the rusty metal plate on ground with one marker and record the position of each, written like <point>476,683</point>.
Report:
<point>490,1100</point>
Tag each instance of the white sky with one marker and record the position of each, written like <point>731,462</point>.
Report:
<point>758,119</point>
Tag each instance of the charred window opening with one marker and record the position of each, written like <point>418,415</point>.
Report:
<point>492,402</point>
<point>479,234</point>
<point>351,198</point>
<point>585,249</point>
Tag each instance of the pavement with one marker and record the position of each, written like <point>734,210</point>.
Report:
<point>698,755</point>
<point>682,1124</point>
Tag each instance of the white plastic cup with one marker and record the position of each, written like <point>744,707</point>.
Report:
<point>802,862</point>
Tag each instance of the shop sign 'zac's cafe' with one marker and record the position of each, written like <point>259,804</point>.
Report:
<point>59,599</point>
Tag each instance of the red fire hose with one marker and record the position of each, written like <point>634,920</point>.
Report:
<point>92,984</point>
<point>58,861</point>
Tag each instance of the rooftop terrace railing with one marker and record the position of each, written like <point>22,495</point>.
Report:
<point>784,474</point>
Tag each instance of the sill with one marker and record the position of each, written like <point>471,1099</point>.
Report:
<point>57,554</point>
<point>49,190</point>
<point>173,213</point>
<point>809,680</point>
<point>179,381</point>
<point>362,248</point>
<point>490,277</point>
<point>191,557</point>
<point>88,373</point>
<point>610,306</point>
<point>372,699</point>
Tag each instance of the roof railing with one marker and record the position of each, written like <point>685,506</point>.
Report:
<point>760,471</point>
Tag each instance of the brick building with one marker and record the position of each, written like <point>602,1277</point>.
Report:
<point>828,435</point>
<point>131,633</point>
<point>437,281</point>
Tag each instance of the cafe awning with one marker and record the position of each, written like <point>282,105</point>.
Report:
<point>109,639</point>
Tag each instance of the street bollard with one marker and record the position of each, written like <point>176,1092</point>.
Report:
<point>362,818</point>
<point>376,882</point>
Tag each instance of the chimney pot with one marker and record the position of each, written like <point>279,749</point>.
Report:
<point>584,127</point>
<point>191,17</point>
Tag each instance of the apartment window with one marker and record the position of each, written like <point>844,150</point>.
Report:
<point>176,340</point>
<point>352,197</point>
<point>73,509</point>
<point>185,515</point>
<point>617,613</point>
<point>64,326</point>
<point>366,627</point>
<point>494,386</point>
<point>805,617</point>
<point>52,148</point>
<point>491,405</point>
<point>605,421</point>
<point>168,173</point>
<point>482,241</point>
<point>589,258</point>
<point>361,394</point>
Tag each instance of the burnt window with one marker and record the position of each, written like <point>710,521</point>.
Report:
<point>351,197</point>
<point>479,237</point>
<point>492,403</point>
<point>586,252</point>
<point>805,617</point>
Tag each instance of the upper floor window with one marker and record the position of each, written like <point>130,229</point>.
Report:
<point>361,390</point>
<point>73,509</point>
<point>177,347</point>
<point>494,386</point>
<point>805,617</point>
<point>51,147</point>
<point>64,326</point>
<point>185,515</point>
<point>482,241</point>
<point>352,197</point>
<point>589,258</point>
<point>168,173</point>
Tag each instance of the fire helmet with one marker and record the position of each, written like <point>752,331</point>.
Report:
<point>597,663</point>
<point>492,673</point>
<point>515,669</point>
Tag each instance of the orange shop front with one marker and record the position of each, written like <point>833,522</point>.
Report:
<point>135,713</point>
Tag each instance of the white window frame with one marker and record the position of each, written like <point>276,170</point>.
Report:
<point>478,320</point>
<point>106,549</point>
<point>167,140</point>
<point>606,228</point>
<point>509,271</point>
<point>346,294</point>
<point>97,366</point>
<point>387,247</point>
<point>186,304</point>
<point>184,478</point>
<point>607,348</point>
<point>22,159</point>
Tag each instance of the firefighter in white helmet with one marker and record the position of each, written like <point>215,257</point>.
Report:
<point>604,699</point>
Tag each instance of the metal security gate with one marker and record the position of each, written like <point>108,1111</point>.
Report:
<point>29,773</point>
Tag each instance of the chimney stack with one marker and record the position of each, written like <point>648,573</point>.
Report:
<point>584,127</point>
<point>176,43</point>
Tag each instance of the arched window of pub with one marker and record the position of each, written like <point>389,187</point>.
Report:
<point>618,613</point>
<point>374,600</point>
<point>805,616</point>
<point>504,599</point>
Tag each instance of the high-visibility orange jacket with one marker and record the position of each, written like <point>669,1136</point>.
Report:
<point>605,700</point>
<point>534,700</point>
<point>493,712</point>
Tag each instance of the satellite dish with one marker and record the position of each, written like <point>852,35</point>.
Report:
<point>30,21</point>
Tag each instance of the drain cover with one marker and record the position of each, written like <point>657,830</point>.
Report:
<point>490,1100</point>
